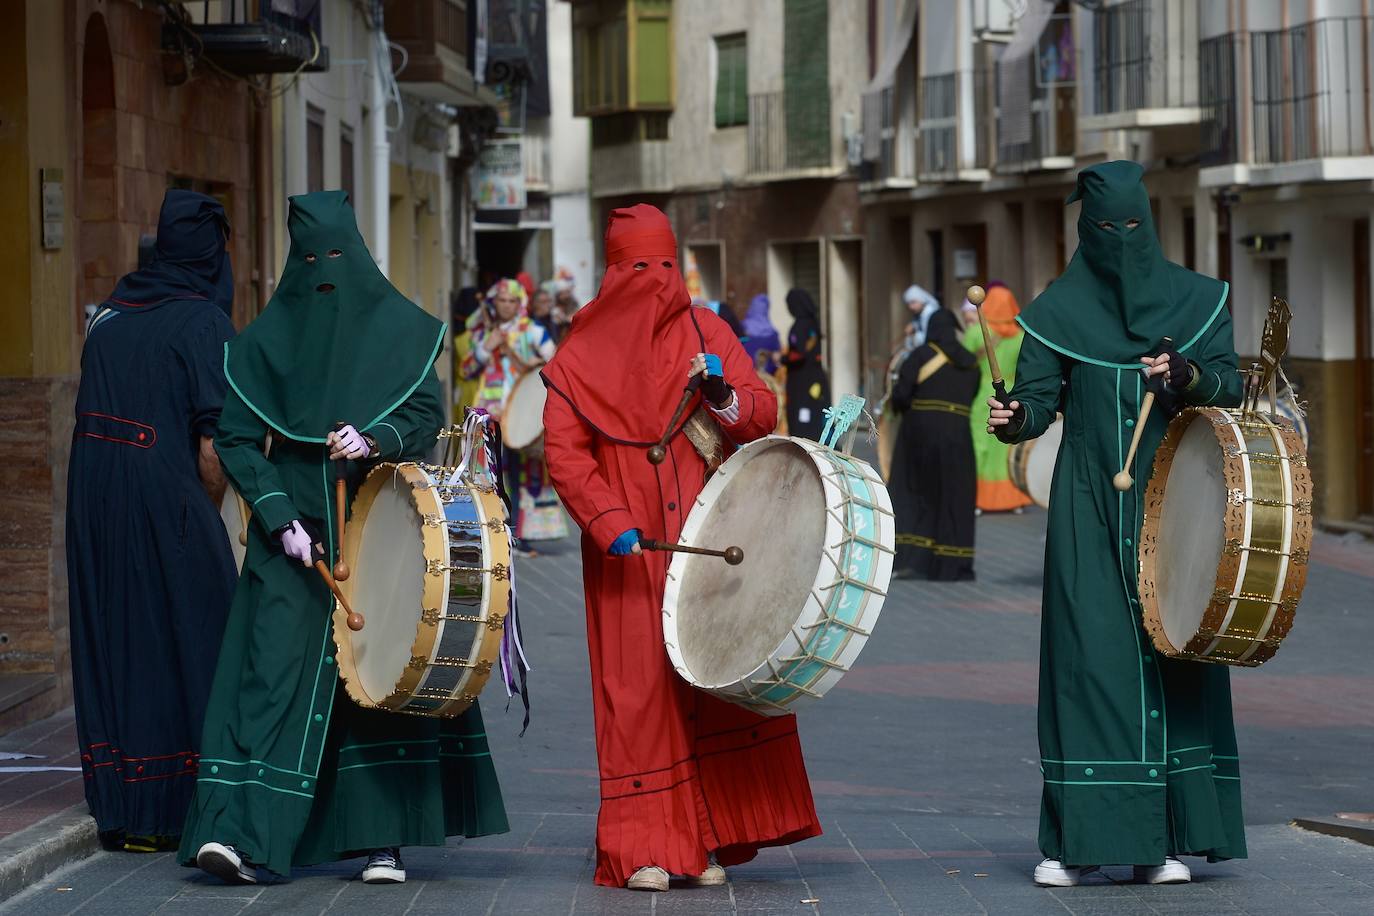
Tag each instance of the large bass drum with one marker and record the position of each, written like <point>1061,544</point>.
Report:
<point>522,420</point>
<point>1030,464</point>
<point>1224,546</point>
<point>430,559</point>
<point>817,532</point>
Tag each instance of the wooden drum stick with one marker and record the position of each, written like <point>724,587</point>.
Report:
<point>975,296</point>
<point>355,620</point>
<point>341,570</point>
<point>1123,480</point>
<point>732,555</point>
<point>659,451</point>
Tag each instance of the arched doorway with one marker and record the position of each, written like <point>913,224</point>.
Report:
<point>101,260</point>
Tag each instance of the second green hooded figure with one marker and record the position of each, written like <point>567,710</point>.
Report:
<point>292,772</point>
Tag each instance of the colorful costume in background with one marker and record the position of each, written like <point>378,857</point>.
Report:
<point>525,345</point>
<point>1138,750</point>
<point>683,774</point>
<point>808,386</point>
<point>933,479</point>
<point>996,493</point>
<point>466,313</point>
<point>764,346</point>
<point>149,567</point>
<point>293,772</point>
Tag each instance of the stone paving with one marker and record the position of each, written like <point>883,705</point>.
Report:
<point>923,763</point>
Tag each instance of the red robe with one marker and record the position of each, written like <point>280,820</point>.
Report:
<point>683,774</point>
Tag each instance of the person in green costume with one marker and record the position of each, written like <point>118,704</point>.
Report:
<point>996,492</point>
<point>1138,750</point>
<point>291,771</point>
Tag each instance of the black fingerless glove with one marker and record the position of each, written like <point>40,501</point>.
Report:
<point>716,391</point>
<point>1180,373</point>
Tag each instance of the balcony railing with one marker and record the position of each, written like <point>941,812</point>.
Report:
<point>1049,75</point>
<point>1218,80</point>
<point>1144,55</point>
<point>249,36</point>
<point>780,148</point>
<point>637,167</point>
<point>889,151</point>
<point>1311,90</point>
<point>953,137</point>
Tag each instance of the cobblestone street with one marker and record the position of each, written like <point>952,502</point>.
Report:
<point>924,766</point>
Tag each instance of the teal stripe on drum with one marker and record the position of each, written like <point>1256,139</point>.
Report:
<point>858,561</point>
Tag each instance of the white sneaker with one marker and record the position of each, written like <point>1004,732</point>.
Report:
<point>225,863</point>
<point>648,878</point>
<point>1053,873</point>
<point>384,866</point>
<point>713,876</point>
<point>1171,872</point>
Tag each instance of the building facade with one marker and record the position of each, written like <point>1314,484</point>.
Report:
<point>1253,118</point>
<point>736,119</point>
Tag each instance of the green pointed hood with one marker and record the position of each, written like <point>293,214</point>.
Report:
<point>1119,297</point>
<point>316,355</point>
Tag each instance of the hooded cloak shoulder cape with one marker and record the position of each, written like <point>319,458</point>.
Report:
<point>191,259</point>
<point>1119,297</point>
<point>337,341</point>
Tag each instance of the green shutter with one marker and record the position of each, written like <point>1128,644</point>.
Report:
<point>806,82</point>
<point>732,80</point>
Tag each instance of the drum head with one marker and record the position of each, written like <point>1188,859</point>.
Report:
<point>522,421</point>
<point>1044,453</point>
<point>1190,532</point>
<point>387,587</point>
<point>730,619</point>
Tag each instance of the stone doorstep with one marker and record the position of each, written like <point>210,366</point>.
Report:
<point>32,854</point>
<point>1357,827</point>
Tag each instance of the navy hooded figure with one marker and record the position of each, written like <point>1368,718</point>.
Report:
<point>149,563</point>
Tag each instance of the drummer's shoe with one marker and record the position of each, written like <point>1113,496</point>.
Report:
<point>1053,873</point>
<point>713,876</point>
<point>384,866</point>
<point>225,863</point>
<point>1171,872</point>
<point>648,878</point>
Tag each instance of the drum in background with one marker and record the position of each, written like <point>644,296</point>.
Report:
<point>1030,464</point>
<point>818,535</point>
<point>233,511</point>
<point>1224,546</point>
<point>431,573</point>
<point>522,419</point>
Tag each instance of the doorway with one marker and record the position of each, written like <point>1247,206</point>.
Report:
<point>1364,374</point>
<point>845,308</point>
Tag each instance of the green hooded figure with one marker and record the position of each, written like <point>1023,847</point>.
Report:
<point>1138,750</point>
<point>293,772</point>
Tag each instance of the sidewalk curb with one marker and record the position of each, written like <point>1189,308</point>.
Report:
<point>33,853</point>
<point>1338,826</point>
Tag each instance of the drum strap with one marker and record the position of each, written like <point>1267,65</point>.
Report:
<point>932,365</point>
<point>704,433</point>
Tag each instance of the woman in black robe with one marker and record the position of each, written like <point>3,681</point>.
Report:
<point>934,478</point>
<point>149,565</point>
<point>808,387</point>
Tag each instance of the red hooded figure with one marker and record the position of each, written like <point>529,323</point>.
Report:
<point>683,774</point>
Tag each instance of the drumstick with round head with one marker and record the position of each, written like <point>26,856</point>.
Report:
<point>732,555</point>
<point>975,296</point>
<point>341,570</point>
<point>659,450</point>
<point>244,516</point>
<point>1123,480</point>
<point>355,620</point>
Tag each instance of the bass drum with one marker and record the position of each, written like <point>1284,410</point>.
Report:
<point>1030,464</point>
<point>430,555</point>
<point>233,511</point>
<point>787,623</point>
<point>1226,538</point>
<point>522,420</point>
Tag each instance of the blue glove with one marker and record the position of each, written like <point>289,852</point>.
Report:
<point>624,545</point>
<point>714,386</point>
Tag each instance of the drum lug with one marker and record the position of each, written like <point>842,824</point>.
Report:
<point>1303,505</point>
<point>496,525</point>
<point>433,521</point>
<point>1237,497</point>
<point>496,621</point>
<point>500,572</point>
<point>430,616</point>
<point>1233,547</point>
<point>483,667</point>
<point>1299,557</point>
<point>1223,595</point>
<point>1290,605</point>
<point>418,663</point>
<point>435,567</point>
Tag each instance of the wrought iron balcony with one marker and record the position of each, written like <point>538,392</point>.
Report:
<point>953,136</point>
<point>789,137</point>
<point>889,147</point>
<point>434,35</point>
<point>1145,65</point>
<point>1218,79</point>
<point>247,37</point>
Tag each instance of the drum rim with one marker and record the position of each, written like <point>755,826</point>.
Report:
<point>505,428</point>
<point>741,691</point>
<point>1292,578</point>
<point>425,642</point>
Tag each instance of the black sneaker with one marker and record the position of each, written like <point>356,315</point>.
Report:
<point>384,866</point>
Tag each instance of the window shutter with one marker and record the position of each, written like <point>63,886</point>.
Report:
<point>806,82</point>
<point>732,81</point>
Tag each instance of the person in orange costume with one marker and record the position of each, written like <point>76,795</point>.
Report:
<point>689,783</point>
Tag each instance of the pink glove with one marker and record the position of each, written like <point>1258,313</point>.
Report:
<point>295,543</point>
<point>347,442</point>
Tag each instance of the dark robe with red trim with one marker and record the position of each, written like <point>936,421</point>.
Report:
<point>683,774</point>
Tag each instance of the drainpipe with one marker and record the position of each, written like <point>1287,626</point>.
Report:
<point>379,144</point>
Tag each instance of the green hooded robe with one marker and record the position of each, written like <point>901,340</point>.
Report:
<point>292,772</point>
<point>1138,750</point>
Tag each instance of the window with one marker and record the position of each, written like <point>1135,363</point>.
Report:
<point>314,148</point>
<point>732,80</point>
<point>346,161</point>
